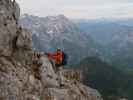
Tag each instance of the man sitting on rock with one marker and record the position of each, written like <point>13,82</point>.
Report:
<point>60,60</point>
<point>57,57</point>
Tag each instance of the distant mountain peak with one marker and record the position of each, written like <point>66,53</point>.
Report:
<point>52,25</point>
<point>57,17</point>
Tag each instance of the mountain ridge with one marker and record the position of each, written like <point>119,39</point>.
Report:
<point>97,72</point>
<point>60,32</point>
<point>116,38</point>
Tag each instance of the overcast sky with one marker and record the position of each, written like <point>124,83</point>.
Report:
<point>88,9</point>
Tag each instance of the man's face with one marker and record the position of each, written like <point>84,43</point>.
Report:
<point>58,51</point>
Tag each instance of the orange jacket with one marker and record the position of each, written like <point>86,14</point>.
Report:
<point>58,57</point>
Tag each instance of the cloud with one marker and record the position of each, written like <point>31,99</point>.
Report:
<point>79,8</point>
<point>107,11</point>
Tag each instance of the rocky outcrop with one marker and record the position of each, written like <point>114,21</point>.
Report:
<point>28,75</point>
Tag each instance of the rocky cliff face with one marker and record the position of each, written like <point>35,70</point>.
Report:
<point>27,75</point>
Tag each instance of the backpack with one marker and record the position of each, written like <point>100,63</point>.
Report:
<point>65,58</point>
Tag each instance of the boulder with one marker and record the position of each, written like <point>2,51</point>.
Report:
<point>48,75</point>
<point>8,27</point>
<point>24,39</point>
<point>16,11</point>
